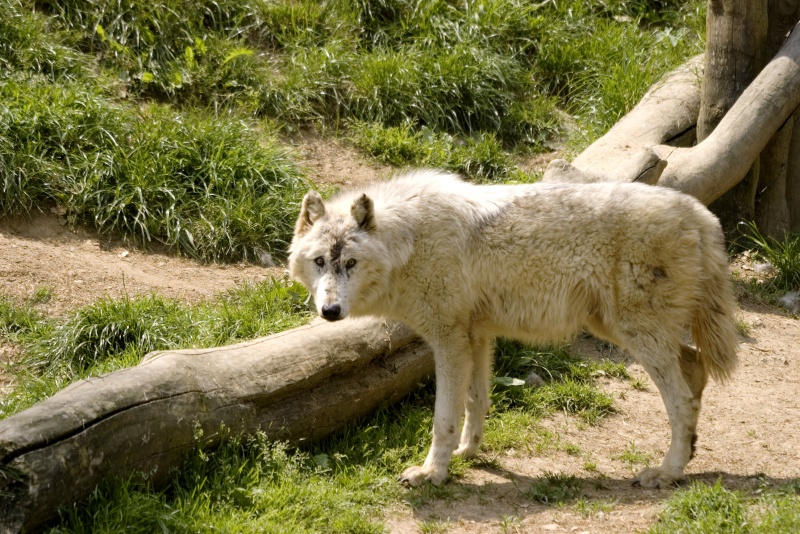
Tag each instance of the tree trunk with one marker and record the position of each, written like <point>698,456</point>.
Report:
<point>716,164</point>
<point>741,35</point>
<point>772,210</point>
<point>773,201</point>
<point>736,31</point>
<point>296,385</point>
<point>793,177</point>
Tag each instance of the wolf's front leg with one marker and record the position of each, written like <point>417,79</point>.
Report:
<point>453,369</point>
<point>477,402</point>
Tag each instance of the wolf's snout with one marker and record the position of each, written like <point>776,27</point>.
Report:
<point>332,312</point>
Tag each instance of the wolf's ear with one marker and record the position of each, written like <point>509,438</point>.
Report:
<point>313,208</point>
<point>364,213</point>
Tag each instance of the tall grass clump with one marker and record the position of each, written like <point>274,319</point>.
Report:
<point>703,509</point>
<point>49,133</point>
<point>462,89</point>
<point>211,187</point>
<point>309,23</point>
<point>111,334</point>
<point>508,27</point>
<point>108,327</point>
<point>253,310</point>
<point>31,42</point>
<point>194,50</point>
<point>707,509</point>
<point>783,255</point>
<point>480,156</point>
<point>17,319</point>
<point>309,86</point>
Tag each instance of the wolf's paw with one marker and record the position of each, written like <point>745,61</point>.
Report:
<point>418,475</point>
<point>467,451</point>
<point>655,477</point>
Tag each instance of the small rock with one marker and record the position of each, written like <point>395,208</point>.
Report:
<point>791,301</point>
<point>265,259</point>
<point>764,268</point>
<point>123,254</point>
<point>533,380</point>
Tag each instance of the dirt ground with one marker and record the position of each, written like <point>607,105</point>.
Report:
<point>749,428</point>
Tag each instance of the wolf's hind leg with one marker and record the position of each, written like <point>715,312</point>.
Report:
<point>477,403</point>
<point>680,382</point>
<point>452,354</point>
<point>694,373</point>
<point>696,377</point>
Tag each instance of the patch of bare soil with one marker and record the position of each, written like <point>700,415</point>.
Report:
<point>79,267</point>
<point>749,427</point>
<point>334,162</point>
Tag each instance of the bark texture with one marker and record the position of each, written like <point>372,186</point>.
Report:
<point>736,35</point>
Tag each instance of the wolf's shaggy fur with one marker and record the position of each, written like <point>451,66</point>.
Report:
<point>462,264</point>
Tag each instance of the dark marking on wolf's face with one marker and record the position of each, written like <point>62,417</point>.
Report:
<point>336,255</point>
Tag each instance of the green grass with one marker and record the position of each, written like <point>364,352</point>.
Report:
<point>554,488</point>
<point>480,157</point>
<point>568,381</point>
<point>590,508</point>
<point>245,486</point>
<point>634,458</point>
<point>153,119</point>
<point>714,509</point>
<point>32,42</point>
<point>782,254</point>
<point>209,187</point>
<point>338,484</point>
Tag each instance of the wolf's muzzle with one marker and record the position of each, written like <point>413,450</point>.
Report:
<point>332,312</point>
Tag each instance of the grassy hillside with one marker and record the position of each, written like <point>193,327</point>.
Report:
<point>160,119</point>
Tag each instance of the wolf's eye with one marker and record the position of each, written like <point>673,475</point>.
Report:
<point>320,261</point>
<point>350,263</point>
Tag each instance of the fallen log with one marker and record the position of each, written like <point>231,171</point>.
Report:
<point>667,114</point>
<point>297,385</point>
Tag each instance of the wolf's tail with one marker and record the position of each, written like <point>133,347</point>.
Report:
<point>714,324</point>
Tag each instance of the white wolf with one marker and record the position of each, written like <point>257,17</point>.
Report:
<point>461,264</point>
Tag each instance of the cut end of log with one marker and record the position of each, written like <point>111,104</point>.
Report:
<point>644,166</point>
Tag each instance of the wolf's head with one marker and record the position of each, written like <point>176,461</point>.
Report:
<point>337,255</point>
